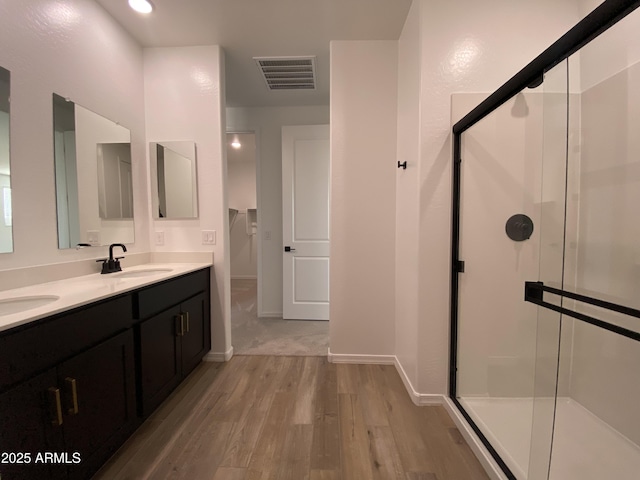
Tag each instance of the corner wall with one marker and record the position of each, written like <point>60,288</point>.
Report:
<point>184,101</point>
<point>363,198</point>
<point>466,46</point>
<point>408,195</point>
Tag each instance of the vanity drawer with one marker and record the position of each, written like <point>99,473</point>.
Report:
<point>159,297</point>
<point>25,351</point>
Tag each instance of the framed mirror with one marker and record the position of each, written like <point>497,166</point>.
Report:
<point>94,188</point>
<point>6,221</point>
<point>173,173</point>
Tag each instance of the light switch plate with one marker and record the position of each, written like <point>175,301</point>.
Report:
<point>208,237</point>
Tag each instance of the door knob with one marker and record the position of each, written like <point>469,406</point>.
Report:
<point>289,249</point>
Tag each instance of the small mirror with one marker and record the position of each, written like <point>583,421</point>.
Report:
<point>94,188</point>
<point>6,229</point>
<point>173,170</point>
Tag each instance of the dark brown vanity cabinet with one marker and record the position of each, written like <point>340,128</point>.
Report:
<point>74,385</point>
<point>101,410</point>
<point>173,335</point>
<point>67,398</point>
<point>27,413</point>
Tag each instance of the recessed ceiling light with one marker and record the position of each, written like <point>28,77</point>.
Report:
<point>142,6</point>
<point>236,144</point>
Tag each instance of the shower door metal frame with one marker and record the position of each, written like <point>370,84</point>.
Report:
<point>598,21</point>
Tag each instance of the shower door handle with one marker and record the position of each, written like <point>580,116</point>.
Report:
<point>534,291</point>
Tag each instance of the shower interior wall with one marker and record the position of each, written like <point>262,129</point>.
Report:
<point>502,176</point>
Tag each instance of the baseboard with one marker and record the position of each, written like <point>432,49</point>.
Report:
<point>244,277</point>
<point>270,315</point>
<point>419,399</point>
<point>360,359</point>
<point>219,356</point>
<point>482,454</point>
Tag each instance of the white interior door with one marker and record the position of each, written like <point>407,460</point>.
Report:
<point>305,223</point>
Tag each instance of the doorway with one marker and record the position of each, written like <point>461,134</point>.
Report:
<point>258,327</point>
<point>243,229</point>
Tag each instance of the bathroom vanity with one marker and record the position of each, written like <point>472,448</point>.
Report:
<point>76,383</point>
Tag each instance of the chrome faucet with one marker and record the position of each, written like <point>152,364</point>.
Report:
<point>111,265</point>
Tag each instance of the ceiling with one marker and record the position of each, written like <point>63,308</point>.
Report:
<point>257,28</point>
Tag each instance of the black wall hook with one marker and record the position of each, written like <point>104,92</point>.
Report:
<point>402,165</point>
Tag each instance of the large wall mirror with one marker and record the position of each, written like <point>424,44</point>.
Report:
<point>94,189</point>
<point>6,230</point>
<point>173,173</point>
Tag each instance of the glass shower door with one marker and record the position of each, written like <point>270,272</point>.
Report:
<point>597,419</point>
<point>553,196</point>
<point>512,231</point>
<point>546,262</point>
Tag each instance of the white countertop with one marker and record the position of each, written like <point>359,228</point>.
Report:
<point>79,291</point>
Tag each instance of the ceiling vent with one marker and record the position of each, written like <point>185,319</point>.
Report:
<point>288,73</point>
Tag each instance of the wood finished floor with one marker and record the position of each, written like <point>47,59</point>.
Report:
<point>298,418</point>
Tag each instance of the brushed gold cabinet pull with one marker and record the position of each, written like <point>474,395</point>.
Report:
<point>72,390</point>
<point>55,405</point>
<point>187,315</point>
<point>179,325</point>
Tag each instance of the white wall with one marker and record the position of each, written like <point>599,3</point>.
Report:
<point>363,198</point>
<point>241,185</point>
<point>407,194</point>
<point>184,100</point>
<point>52,46</point>
<point>465,46</point>
<point>241,171</point>
<point>267,123</point>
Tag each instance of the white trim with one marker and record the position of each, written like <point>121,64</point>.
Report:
<point>422,399</point>
<point>244,277</point>
<point>477,447</point>
<point>219,356</point>
<point>419,399</point>
<point>270,315</point>
<point>360,359</point>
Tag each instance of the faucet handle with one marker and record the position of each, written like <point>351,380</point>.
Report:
<point>106,265</point>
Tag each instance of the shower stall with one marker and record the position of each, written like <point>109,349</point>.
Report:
<point>545,328</point>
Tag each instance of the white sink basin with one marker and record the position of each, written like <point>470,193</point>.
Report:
<point>20,304</point>
<point>142,273</point>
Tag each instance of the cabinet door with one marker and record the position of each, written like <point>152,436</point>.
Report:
<point>98,402</point>
<point>160,353</point>
<point>196,340</point>
<point>29,424</point>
